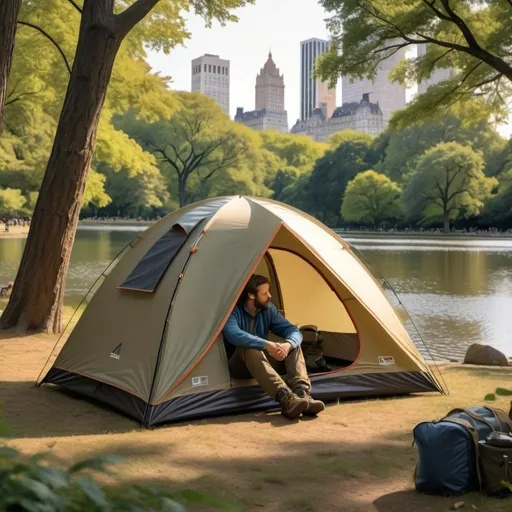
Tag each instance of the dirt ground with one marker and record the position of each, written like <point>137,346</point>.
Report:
<point>356,456</point>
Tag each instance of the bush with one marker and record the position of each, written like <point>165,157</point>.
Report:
<point>30,484</point>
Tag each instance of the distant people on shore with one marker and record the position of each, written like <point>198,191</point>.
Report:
<point>6,289</point>
<point>15,221</point>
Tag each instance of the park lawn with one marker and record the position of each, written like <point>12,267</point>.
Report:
<point>357,456</point>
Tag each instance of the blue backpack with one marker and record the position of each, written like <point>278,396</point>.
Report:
<point>448,449</point>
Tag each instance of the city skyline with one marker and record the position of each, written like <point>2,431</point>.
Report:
<point>255,33</point>
<point>253,41</point>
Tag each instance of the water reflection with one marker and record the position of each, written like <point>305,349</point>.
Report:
<point>458,291</point>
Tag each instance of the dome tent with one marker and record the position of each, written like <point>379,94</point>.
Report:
<point>150,342</point>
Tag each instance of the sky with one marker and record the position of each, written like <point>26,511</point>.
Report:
<point>279,25</point>
<point>276,24</point>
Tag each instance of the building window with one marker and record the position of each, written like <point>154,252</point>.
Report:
<point>227,71</point>
<point>209,68</point>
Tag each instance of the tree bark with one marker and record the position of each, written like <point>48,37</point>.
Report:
<point>182,191</point>
<point>38,293</point>
<point>446,222</point>
<point>9,10</point>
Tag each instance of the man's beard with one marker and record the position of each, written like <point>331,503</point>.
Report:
<point>261,305</point>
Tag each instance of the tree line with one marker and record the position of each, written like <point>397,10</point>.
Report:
<point>86,128</point>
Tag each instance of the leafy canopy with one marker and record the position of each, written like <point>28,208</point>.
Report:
<point>472,37</point>
<point>448,182</point>
<point>371,198</point>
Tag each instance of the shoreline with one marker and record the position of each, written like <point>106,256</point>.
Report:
<point>22,231</point>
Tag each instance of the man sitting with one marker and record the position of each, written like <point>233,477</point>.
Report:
<point>247,329</point>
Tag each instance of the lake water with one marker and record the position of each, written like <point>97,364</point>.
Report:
<point>457,290</point>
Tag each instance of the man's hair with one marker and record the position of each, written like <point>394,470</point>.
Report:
<point>252,286</point>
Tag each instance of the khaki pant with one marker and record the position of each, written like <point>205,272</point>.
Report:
<point>247,362</point>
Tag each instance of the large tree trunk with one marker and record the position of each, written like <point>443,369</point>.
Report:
<point>38,293</point>
<point>446,222</point>
<point>182,191</point>
<point>9,10</point>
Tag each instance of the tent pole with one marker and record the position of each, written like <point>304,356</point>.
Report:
<point>442,385</point>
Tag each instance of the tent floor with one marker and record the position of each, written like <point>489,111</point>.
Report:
<point>240,399</point>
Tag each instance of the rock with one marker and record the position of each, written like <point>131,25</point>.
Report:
<point>486,355</point>
<point>458,505</point>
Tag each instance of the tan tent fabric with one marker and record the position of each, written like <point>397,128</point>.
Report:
<point>209,288</point>
<point>160,356</point>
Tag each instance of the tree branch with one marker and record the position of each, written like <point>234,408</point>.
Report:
<point>75,5</point>
<point>438,13</point>
<point>473,49</point>
<point>50,38</point>
<point>131,16</point>
<point>463,27</point>
<point>17,98</point>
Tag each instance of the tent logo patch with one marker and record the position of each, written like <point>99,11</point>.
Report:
<point>386,360</point>
<point>116,353</point>
<point>200,381</point>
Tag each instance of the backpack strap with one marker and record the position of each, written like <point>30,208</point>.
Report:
<point>474,416</point>
<point>501,416</point>
<point>471,429</point>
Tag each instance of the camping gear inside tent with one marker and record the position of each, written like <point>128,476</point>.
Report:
<point>150,341</point>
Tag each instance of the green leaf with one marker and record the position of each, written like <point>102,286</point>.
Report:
<point>503,392</point>
<point>40,490</point>
<point>95,464</point>
<point>92,491</point>
<point>169,505</point>
<point>491,397</point>
<point>7,452</point>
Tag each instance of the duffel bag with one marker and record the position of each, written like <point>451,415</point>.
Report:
<point>448,449</point>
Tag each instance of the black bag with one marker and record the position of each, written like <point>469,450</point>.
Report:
<point>495,455</point>
<point>449,449</point>
<point>313,350</point>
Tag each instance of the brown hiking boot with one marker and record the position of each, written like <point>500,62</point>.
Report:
<point>292,406</point>
<point>314,406</point>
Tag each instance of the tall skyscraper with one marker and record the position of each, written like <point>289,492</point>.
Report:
<point>389,96</point>
<point>437,76</point>
<point>313,92</point>
<point>270,87</point>
<point>269,99</point>
<point>210,76</point>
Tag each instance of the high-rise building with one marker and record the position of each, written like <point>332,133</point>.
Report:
<point>270,113</point>
<point>437,76</point>
<point>210,76</point>
<point>313,92</point>
<point>389,96</point>
<point>270,87</point>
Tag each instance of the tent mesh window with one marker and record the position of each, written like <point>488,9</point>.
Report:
<point>147,273</point>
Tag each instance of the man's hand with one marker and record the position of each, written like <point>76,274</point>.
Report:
<point>278,351</point>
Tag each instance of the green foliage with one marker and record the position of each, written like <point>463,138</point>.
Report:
<point>491,397</point>
<point>325,187</point>
<point>197,141</point>
<point>471,38</point>
<point>447,182</point>
<point>31,484</point>
<point>11,201</point>
<point>289,157</point>
<point>402,149</point>
<point>371,198</point>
